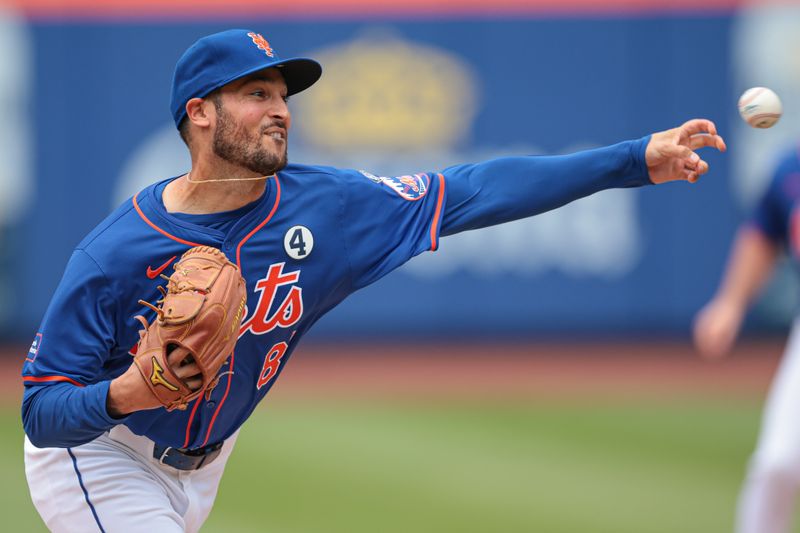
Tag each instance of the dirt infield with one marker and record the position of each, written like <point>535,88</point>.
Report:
<point>532,370</point>
<point>553,370</point>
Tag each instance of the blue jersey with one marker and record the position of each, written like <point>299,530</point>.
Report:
<point>777,214</point>
<point>317,235</point>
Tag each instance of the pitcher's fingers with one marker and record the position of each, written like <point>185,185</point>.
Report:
<point>177,356</point>
<point>702,140</point>
<point>698,125</point>
<point>182,363</point>
<point>194,383</point>
<point>678,151</point>
<point>185,372</point>
<point>701,167</point>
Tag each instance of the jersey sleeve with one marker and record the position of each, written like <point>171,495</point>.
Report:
<point>65,400</point>
<point>389,220</point>
<point>772,212</point>
<point>510,188</point>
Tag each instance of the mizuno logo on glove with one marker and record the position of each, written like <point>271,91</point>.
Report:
<point>157,377</point>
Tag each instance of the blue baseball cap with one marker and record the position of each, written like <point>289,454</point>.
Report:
<point>220,58</point>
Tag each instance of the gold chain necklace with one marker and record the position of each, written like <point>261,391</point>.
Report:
<point>190,180</point>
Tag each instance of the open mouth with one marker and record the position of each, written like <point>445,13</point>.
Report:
<point>277,134</point>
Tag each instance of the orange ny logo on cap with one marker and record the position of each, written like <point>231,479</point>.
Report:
<point>261,43</point>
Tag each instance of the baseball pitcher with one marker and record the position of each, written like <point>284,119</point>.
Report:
<point>177,313</point>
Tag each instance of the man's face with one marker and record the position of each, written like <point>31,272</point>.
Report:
<point>253,122</point>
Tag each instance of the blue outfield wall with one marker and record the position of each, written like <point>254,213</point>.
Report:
<point>416,95</point>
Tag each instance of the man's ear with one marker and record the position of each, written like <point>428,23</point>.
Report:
<point>198,111</point>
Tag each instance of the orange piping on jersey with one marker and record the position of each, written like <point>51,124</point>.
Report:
<point>239,264</point>
<point>161,231</point>
<point>272,212</point>
<point>437,215</point>
<point>222,401</point>
<point>188,243</point>
<point>36,379</point>
<point>189,424</point>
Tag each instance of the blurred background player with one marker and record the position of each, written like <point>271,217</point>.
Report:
<point>767,499</point>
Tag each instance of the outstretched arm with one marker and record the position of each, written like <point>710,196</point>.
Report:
<point>750,265</point>
<point>504,189</point>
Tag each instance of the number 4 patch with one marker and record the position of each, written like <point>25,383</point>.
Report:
<point>298,242</point>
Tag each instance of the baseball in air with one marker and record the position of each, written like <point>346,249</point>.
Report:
<point>760,107</point>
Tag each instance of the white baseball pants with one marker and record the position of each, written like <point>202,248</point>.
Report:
<point>768,496</point>
<point>113,484</point>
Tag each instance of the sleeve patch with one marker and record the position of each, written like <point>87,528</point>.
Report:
<point>34,349</point>
<point>410,187</point>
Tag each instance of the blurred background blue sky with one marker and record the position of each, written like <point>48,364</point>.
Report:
<point>415,87</point>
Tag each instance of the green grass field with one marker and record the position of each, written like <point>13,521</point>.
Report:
<point>340,466</point>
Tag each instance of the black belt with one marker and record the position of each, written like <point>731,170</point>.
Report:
<point>184,459</point>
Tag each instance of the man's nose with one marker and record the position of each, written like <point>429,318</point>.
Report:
<point>280,109</point>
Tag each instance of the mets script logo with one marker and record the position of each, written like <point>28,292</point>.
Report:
<point>261,43</point>
<point>287,313</point>
<point>409,187</point>
<point>157,376</point>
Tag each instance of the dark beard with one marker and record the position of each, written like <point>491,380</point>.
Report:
<point>236,146</point>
